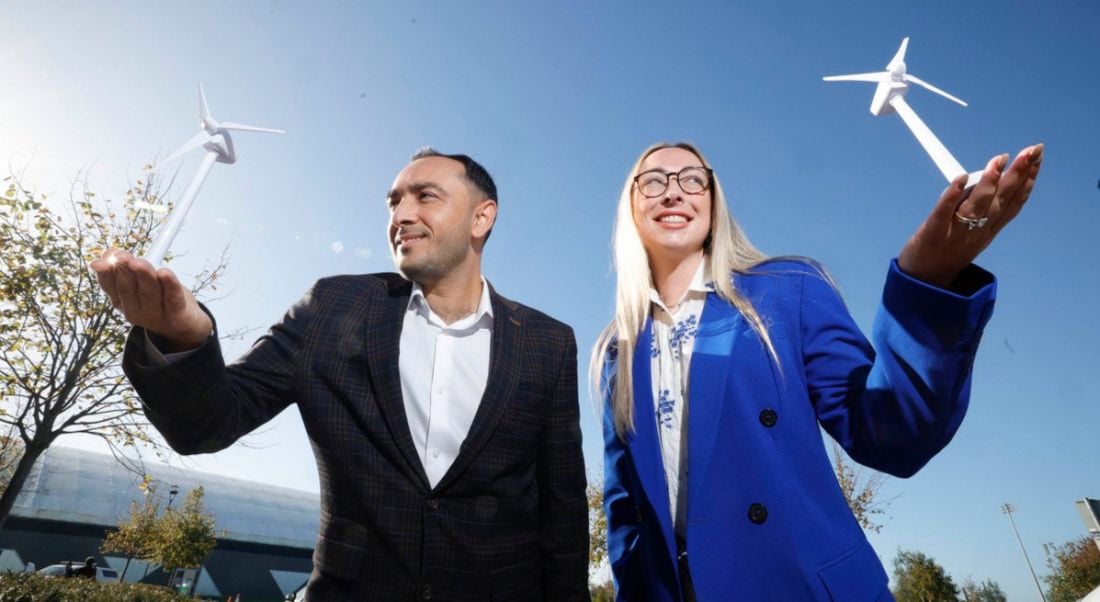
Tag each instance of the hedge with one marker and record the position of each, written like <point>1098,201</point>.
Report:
<point>27,587</point>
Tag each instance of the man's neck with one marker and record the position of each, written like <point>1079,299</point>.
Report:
<point>672,278</point>
<point>454,297</point>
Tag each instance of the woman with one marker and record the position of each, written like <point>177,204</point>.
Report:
<point>720,366</point>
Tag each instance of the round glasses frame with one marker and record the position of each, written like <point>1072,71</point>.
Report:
<point>679,180</point>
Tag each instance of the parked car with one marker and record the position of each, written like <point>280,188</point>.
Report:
<point>102,574</point>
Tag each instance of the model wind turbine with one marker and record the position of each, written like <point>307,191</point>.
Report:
<point>893,84</point>
<point>215,138</point>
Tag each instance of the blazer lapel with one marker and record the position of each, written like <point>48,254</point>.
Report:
<point>645,445</point>
<point>505,364</point>
<point>720,326</point>
<point>383,344</point>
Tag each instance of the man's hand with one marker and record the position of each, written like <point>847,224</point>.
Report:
<point>946,243</point>
<point>153,299</point>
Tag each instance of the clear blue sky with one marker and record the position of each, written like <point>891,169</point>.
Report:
<point>556,99</point>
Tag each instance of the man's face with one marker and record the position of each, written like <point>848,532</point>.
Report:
<point>432,207</point>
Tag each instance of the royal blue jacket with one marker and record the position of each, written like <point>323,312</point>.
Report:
<point>766,519</point>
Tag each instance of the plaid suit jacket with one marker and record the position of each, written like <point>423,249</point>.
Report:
<point>509,519</point>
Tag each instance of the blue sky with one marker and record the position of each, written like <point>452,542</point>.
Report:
<point>557,99</point>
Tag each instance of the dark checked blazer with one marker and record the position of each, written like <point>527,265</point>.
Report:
<point>509,519</point>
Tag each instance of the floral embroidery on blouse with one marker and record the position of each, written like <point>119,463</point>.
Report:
<point>681,334</point>
<point>665,405</point>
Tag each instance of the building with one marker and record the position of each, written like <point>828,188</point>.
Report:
<point>265,534</point>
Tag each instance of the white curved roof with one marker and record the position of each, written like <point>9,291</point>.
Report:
<point>80,486</point>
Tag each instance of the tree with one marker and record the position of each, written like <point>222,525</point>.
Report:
<point>597,526</point>
<point>597,541</point>
<point>986,591</point>
<point>185,535</point>
<point>61,342</point>
<point>1074,570</point>
<point>11,449</point>
<point>177,538</point>
<point>917,578</point>
<point>862,488</point>
<point>136,536</point>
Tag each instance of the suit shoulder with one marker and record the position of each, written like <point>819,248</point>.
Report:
<point>532,317</point>
<point>782,272</point>
<point>378,282</point>
<point>785,282</point>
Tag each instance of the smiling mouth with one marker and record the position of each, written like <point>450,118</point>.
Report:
<point>673,219</point>
<point>404,241</point>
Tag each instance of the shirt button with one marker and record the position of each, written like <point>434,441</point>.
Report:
<point>435,453</point>
<point>433,503</point>
<point>425,592</point>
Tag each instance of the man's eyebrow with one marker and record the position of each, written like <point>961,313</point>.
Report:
<point>414,187</point>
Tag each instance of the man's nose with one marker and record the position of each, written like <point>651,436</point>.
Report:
<point>404,212</point>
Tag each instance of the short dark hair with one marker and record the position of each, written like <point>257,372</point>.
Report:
<point>475,173</point>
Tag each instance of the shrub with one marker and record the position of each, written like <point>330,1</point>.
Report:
<point>26,587</point>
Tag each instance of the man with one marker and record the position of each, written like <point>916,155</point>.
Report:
<point>443,417</point>
<point>88,570</point>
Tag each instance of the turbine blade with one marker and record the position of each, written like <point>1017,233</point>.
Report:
<point>900,56</point>
<point>876,77</point>
<point>204,111</point>
<point>921,82</point>
<point>240,127</point>
<point>196,141</point>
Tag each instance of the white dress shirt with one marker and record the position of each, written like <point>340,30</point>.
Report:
<point>670,353</point>
<point>444,369</point>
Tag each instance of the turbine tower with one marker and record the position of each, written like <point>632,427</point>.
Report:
<point>215,138</point>
<point>893,84</point>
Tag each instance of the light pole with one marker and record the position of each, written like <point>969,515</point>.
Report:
<point>173,490</point>
<point>1008,509</point>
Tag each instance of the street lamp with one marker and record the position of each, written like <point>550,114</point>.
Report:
<point>1008,509</point>
<point>173,490</point>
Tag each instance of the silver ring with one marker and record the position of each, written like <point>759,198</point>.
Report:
<point>972,223</point>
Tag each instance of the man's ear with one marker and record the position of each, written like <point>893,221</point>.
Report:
<point>485,215</point>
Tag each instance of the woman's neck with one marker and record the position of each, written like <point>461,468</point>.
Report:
<point>672,278</point>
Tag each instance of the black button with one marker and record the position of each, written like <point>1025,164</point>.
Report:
<point>758,513</point>
<point>768,417</point>
<point>433,504</point>
<point>425,592</point>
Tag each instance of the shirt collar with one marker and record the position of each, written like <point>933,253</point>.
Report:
<point>419,303</point>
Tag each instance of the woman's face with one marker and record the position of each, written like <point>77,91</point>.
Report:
<point>672,223</point>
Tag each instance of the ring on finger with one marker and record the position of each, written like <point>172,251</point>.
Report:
<point>972,223</point>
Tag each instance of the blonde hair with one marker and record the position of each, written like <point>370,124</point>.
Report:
<point>730,252</point>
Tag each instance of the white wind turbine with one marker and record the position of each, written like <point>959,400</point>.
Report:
<point>893,83</point>
<point>215,138</point>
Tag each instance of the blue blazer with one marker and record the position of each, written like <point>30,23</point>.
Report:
<point>766,519</point>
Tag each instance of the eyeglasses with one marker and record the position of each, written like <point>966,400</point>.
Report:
<point>692,180</point>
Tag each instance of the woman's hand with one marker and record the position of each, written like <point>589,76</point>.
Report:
<point>961,226</point>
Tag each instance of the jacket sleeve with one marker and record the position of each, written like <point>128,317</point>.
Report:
<point>201,405</point>
<point>894,410</point>
<point>563,509</point>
